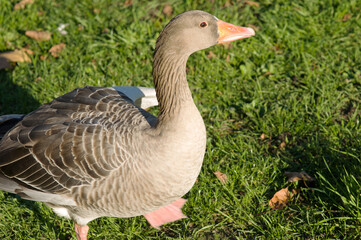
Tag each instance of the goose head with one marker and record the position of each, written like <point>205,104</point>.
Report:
<point>196,30</point>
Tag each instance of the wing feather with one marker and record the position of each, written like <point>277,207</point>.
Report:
<point>79,138</point>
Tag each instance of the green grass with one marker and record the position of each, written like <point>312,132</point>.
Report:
<point>297,81</point>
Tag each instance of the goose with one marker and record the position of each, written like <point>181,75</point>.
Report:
<point>93,152</point>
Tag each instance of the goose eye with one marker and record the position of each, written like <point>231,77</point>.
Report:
<point>203,24</point>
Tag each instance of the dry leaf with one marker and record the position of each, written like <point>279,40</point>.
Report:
<point>277,47</point>
<point>227,3</point>
<point>56,49</point>
<point>227,58</point>
<point>128,3</point>
<point>17,55</point>
<point>282,145</point>
<point>22,4</point>
<point>252,3</point>
<point>14,56</point>
<point>167,10</point>
<point>27,50</point>
<point>263,136</point>
<point>211,55</point>
<point>346,17</point>
<point>96,10</point>
<point>280,199</point>
<point>38,36</point>
<point>298,176</point>
<point>221,177</point>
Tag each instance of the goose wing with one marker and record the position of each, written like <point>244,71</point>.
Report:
<point>74,140</point>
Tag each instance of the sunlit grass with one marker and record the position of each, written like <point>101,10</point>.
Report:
<point>298,81</point>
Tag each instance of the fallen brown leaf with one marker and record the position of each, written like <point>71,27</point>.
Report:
<point>252,3</point>
<point>17,55</point>
<point>277,47</point>
<point>22,4</point>
<point>38,36</point>
<point>282,145</point>
<point>27,50</point>
<point>227,3</point>
<point>167,10</point>
<point>56,49</point>
<point>298,176</point>
<point>221,177</point>
<point>263,136</point>
<point>21,55</point>
<point>280,199</point>
<point>128,3</point>
<point>346,17</point>
<point>211,55</point>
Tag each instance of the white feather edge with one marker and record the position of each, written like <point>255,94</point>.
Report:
<point>143,97</point>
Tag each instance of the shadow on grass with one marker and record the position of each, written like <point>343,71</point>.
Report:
<point>13,98</point>
<point>336,166</point>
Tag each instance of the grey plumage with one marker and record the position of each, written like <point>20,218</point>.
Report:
<point>70,142</point>
<point>51,140</point>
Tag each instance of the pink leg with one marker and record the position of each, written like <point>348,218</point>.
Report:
<point>169,213</point>
<point>81,231</point>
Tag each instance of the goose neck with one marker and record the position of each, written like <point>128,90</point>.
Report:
<point>169,75</point>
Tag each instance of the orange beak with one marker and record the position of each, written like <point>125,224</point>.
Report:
<point>229,32</point>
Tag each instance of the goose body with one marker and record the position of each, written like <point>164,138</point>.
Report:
<point>95,152</point>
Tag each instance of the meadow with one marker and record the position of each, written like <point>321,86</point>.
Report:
<point>285,100</point>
